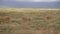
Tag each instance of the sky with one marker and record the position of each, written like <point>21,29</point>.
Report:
<point>38,0</point>
<point>34,0</point>
<point>33,3</point>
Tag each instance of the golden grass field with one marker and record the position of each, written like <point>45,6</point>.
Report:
<point>29,20</point>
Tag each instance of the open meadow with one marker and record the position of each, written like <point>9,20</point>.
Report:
<point>29,21</point>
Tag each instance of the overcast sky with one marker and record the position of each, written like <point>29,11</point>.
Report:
<point>38,0</point>
<point>31,3</point>
<point>34,0</point>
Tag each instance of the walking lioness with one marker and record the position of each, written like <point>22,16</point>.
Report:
<point>4,19</point>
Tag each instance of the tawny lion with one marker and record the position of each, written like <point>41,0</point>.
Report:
<point>4,19</point>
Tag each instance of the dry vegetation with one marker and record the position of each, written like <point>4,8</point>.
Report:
<point>29,21</point>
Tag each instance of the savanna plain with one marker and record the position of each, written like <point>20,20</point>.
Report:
<point>29,21</point>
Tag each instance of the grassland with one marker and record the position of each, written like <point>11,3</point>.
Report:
<point>30,21</point>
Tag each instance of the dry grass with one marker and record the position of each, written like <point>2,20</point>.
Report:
<point>30,21</point>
